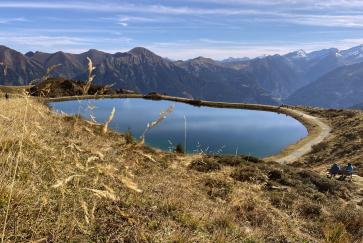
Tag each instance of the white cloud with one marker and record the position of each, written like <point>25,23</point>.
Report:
<point>44,41</point>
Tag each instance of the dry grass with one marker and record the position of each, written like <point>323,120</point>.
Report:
<point>153,124</point>
<point>91,76</point>
<point>16,90</point>
<point>344,145</point>
<point>63,179</point>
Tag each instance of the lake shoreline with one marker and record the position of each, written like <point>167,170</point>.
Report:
<point>316,131</point>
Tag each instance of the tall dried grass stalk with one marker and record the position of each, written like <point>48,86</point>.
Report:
<point>130,184</point>
<point>105,126</point>
<point>45,77</point>
<point>91,77</point>
<point>153,124</point>
<point>49,70</point>
<point>63,182</point>
<point>109,193</point>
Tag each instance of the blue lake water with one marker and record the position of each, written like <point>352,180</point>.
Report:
<point>212,130</point>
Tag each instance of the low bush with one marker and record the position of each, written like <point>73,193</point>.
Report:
<point>179,149</point>
<point>310,210</point>
<point>218,188</point>
<point>254,213</point>
<point>249,174</point>
<point>220,224</point>
<point>204,165</point>
<point>319,147</point>
<point>352,217</point>
<point>283,200</point>
<point>252,159</point>
<point>128,137</point>
<point>275,175</point>
<point>230,160</point>
<point>322,184</point>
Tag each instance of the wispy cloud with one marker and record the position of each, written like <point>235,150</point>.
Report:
<point>45,41</point>
<point>283,14</point>
<point>311,3</point>
<point>11,20</point>
<point>57,43</point>
<point>124,7</point>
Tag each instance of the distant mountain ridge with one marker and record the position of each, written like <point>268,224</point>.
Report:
<point>282,75</point>
<point>340,88</point>
<point>138,69</point>
<point>295,78</point>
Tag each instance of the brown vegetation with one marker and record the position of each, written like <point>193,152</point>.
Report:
<point>344,145</point>
<point>64,179</point>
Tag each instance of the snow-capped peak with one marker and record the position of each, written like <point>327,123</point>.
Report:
<point>353,52</point>
<point>301,53</point>
<point>297,54</point>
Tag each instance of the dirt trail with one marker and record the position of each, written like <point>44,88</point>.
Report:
<point>306,148</point>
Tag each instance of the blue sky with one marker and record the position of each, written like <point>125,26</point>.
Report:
<point>182,29</point>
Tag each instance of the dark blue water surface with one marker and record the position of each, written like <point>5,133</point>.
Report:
<point>212,130</point>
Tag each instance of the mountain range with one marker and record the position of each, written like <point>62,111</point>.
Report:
<point>327,78</point>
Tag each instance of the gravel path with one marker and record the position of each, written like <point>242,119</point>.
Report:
<point>306,148</point>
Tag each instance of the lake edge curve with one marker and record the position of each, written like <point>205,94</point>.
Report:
<point>313,128</point>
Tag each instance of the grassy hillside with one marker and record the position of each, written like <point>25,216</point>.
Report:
<point>62,179</point>
<point>345,143</point>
